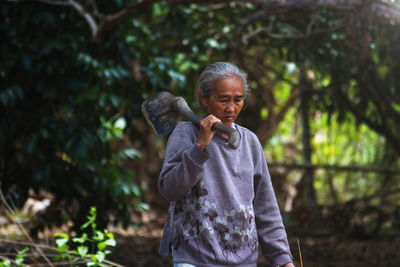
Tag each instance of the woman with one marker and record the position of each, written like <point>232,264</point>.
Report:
<point>222,204</point>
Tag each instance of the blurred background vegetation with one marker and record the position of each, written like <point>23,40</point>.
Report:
<point>325,103</point>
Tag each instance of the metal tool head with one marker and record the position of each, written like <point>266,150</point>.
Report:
<point>161,113</point>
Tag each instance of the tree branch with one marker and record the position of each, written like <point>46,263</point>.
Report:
<point>95,9</point>
<point>370,123</point>
<point>88,17</point>
<point>266,128</point>
<point>79,8</point>
<point>54,2</point>
<point>12,211</point>
<point>379,8</point>
<point>333,167</point>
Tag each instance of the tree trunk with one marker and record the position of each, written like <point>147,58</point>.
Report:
<point>305,204</point>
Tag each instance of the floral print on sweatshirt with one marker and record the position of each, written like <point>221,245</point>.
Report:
<point>202,221</point>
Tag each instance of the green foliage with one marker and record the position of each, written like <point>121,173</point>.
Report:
<point>68,104</point>
<point>61,113</point>
<point>333,143</point>
<point>19,259</point>
<point>91,249</point>
<point>345,144</point>
<point>5,263</point>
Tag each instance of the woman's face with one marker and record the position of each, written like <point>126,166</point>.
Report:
<point>226,100</point>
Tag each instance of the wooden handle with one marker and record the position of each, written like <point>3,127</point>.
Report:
<point>184,109</point>
<point>234,136</point>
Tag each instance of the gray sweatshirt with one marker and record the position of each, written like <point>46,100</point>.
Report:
<point>222,203</point>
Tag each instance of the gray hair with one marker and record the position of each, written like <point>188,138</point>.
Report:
<point>216,71</point>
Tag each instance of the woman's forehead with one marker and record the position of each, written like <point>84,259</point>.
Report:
<point>229,86</point>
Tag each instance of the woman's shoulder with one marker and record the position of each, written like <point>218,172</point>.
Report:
<point>249,137</point>
<point>246,133</point>
<point>185,127</point>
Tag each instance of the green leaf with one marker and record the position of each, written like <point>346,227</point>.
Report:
<point>111,242</point>
<point>115,100</point>
<point>143,206</point>
<point>101,246</point>
<point>61,242</point>
<point>99,236</point>
<point>396,106</point>
<point>264,113</point>
<point>82,251</point>
<point>135,190</point>
<point>100,256</point>
<point>61,235</point>
<point>82,239</point>
<point>91,219</point>
<point>5,263</point>
<point>177,76</point>
<point>20,258</point>
<point>22,251</point>
<point>132,153</point>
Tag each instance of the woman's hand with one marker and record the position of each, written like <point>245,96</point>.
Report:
<point>206,134</point>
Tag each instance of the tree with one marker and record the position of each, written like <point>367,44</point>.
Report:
<point>60,113</point>
<point>72,125</point>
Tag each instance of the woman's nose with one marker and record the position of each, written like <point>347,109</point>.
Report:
<point>230,107</point>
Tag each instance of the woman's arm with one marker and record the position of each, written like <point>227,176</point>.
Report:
<point>271,231</point>
<point>183,164</point>
<point>184,158</point>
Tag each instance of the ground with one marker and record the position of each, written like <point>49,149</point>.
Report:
<point>139,248</point>
<point>141,251</point>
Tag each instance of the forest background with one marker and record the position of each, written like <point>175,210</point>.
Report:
<point>325,104</point>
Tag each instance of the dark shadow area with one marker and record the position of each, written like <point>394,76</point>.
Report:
<point>316,250</point>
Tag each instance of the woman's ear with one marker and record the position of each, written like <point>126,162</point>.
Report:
<point>203,100</point>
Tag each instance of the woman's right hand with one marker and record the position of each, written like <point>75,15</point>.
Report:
<point>206,133</point>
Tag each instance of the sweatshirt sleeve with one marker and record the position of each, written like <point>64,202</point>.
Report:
<point>270,229</point>
<point>183,165</point>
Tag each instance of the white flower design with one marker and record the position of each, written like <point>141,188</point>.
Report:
<point>209,210</point>
<point>221,220</point>
<point>241,214</point>
<point>246,235</point>
<point>236,234</point>
<point>190,231</point>
<point>230,215</point>
<point>221,225</point>
<point>250,213</point>
<point>197,204</point>
<point>206,230</point>
<point>234,239</point>
<point>202,221</point>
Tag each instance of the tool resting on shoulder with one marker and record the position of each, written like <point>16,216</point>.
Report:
<point>163,111</point>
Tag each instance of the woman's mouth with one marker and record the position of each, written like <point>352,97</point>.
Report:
<point>229,118</point>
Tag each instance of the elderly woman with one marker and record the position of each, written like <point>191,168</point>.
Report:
<point>222,204</point>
